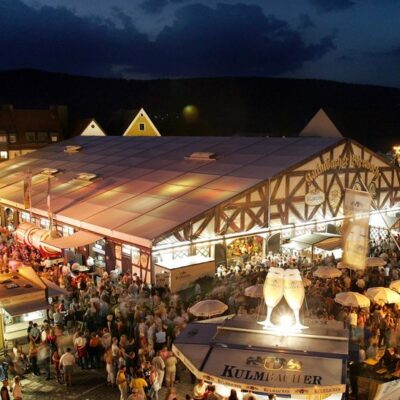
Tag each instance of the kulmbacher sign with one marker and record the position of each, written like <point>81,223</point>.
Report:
<point>342,163</point>
<point>231,371</point>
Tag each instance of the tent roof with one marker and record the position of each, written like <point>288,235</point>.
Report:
<point>147,186</point>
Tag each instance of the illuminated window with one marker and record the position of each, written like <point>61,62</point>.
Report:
<point>44,223</point>
<point>13,138</point>
<point>142,127</point>
<point>25,216</point>
<point>54,137</point>
<point>30,137</point>
<point>67,230</point>
<point>4,155</point>
<point>3,138</point>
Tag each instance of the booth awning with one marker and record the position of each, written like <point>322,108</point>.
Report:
<point>325,241</point>
<point>53,289</point>
<point>243,356</point>
<point>26,307</point>
<point>78,239</point>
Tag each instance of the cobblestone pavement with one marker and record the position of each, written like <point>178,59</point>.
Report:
<point>87,385</point>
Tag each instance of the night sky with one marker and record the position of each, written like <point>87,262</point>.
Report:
<point>345,40</point>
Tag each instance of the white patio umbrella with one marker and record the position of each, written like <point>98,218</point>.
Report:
<point>327,272</point>
<point>395,285</point>
<point>208,308</point>
<point>383,294</point>
<point>375,262</point>
<point>352,299</point>
<point>255,291</point>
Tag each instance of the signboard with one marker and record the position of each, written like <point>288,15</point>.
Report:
<point>339,163</point>
<point>272,373</point>
<point>163,279</point>
<point>314,198</point>
<point>357,206</point>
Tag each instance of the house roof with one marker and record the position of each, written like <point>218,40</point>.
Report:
<point>147,186</point>
<point>20,121</point>
<point>80,125</point>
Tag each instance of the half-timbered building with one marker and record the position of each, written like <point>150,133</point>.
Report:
<point>150,204</point>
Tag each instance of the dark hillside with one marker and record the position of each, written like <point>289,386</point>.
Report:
<point>227,106</point>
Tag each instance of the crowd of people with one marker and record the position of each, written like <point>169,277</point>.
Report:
<point>119,323</point>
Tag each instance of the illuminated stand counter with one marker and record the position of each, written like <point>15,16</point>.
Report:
<point>179,274</point>
<point>242,355</point>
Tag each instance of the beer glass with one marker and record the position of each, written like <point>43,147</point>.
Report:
<point>294,294</point>
<point>273,292</point>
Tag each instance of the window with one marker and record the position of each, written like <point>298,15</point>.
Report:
<point>30,137</point>
<point>4,155</point>
<point>130,251</point>
<point>42,137</point>
<point>54,137</point>
<point>141,127</point>
<point>3,138</point>
<point>25,216</point>
<point>67,230</point>
<point>44,223</point>
<point>13,138</point>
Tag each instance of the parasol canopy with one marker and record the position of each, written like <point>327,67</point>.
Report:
<point>395,285</point>
<point>375,262</point>
<point>383,294</point>
<point>255,291</point>
<point>208,308</point>
<point>352,299</point>
<point>327,272</point>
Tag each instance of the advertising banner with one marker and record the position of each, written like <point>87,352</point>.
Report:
<point>357,206</point>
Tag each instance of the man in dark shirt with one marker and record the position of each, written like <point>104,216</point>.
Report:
<point>4,393</point>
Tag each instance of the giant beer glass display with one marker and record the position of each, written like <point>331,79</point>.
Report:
<point>294,294</point>
<point>273,292</point>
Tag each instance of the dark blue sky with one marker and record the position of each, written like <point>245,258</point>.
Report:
<point>346,40</point>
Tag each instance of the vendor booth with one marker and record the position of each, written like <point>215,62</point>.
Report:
<point>242,355</point>
<point>23,298</point>
<point>179,274</point>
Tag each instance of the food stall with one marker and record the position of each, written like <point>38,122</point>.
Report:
<point>179,274</point>
<point>23,298</point>
<point>240,354</point>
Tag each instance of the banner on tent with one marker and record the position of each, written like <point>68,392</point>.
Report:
<point>357,206</point>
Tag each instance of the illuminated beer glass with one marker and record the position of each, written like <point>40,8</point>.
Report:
<point>294,294</point>
<point>273,292</point>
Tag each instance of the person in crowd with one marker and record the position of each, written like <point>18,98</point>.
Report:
<point>17,388</point>
<point>67,362</point>
<point>4,393</point>
<point>122,382</point>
